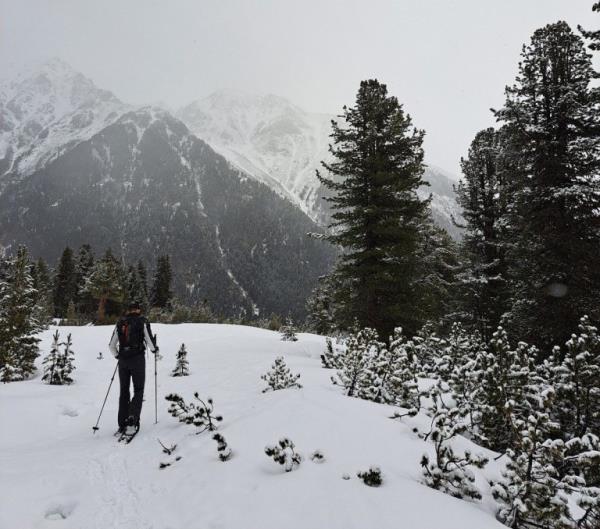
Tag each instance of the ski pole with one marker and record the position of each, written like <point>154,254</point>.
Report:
<point>155,386</point>
<point>106,397</point>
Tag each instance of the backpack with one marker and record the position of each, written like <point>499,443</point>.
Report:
<point>130,330</point>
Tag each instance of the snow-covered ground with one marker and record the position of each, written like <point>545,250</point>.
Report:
<point>54,473</point>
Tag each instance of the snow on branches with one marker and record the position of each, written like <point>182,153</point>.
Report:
<point>182,365</point>
<point>285,454</point>
<point>280,377</point>
<point>449,472</point>
<point>58,365</point>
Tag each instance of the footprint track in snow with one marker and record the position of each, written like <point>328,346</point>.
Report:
<point>119,501</point>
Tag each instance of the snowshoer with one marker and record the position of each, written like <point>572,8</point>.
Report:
<point>128,343</point>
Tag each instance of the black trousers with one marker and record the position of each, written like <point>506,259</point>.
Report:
<point>131,369</point>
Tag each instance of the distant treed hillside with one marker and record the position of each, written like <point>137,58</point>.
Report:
<point>145,186</point>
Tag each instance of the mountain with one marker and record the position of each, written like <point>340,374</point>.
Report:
<point>139,182</point>
<point>45,111</point>
<point>282,145</point>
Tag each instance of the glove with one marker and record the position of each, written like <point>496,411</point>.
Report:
<point>155,351</point>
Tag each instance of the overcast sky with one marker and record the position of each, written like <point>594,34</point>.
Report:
<point>447,61</point>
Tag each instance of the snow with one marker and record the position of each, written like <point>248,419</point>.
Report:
<point>55,473</point>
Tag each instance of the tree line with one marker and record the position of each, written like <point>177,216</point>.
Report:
<point>84,287</point>
<point>530,195</point>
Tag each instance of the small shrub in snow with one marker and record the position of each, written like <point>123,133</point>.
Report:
<point>288,331</point>
<point>317,456</point>
<point>371,477</point>
<point>280,377</point>
<point>450,472</point>
<point>346,477</point>
<point>285,454</point>
<point>356,361</point>
<point>200,415</point>
<point>330,359</point>
<point>391,375</point>
<point>222,447</point>
<point>169,451</point>
<point>181,366</point>
<point>58,365</point>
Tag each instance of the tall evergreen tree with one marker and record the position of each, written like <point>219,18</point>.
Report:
<point>106,285</point>
<point>42,283</point>
<point>84,265</point>
<point>553,117</point>
<point>161,293</point>
<point>481,195</point>
<point>18,323</point>
<point>65,283</point>
<point>377,168</point>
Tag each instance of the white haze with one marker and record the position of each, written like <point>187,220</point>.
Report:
<point>446,60</point>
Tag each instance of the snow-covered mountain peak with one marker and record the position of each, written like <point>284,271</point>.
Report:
<point>46,108</point>
<point>266,136</point>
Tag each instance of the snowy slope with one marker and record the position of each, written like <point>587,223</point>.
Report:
<point>45,111</point>
<point>282,145</point>
<point>55,473</point>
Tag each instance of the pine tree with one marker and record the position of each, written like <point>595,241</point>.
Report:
<point>551,114</point>
<point>481,195</point>
<point>42,283</point>
<point>66,361</point>
<point>51,362</point>
<point>65,283</point>
<point>288,331</point>
<point>391,376</point>
<point>84,265</point>
<point>577,383</point>
<point>200,415</point>
<point>507,386</point>
<point>161,294</point>
<point>58,365</point>
<point>531,493</point>
<point>71,315</point>
<point>182,366</point>
<point>377,215</point>
<point>426,347</point>
<point>280,377</point>
<point>105,283</point>
<point>449,472</point>
<point>436,281</point>
<point>321,318</point>
<point>330,359</point>
<point>18,323</point>
<point>361,349</point>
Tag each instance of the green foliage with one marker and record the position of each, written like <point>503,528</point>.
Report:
<point>18,321</point>
<point>377,215</point>
<point>161,293</point>
<point>280,377</point>
<point>552,120</point>
<point>65,283</point>
<point>371,477</point>
<point>285,454</point>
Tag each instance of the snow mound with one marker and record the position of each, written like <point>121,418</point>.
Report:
<point>55,473</point>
